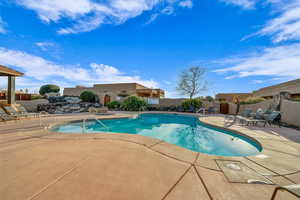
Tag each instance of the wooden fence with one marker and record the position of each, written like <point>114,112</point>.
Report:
<point>19,96</point>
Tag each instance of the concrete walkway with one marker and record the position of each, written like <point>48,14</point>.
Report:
<point>37,164</point>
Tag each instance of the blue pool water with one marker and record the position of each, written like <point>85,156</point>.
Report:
<point>182,130</point>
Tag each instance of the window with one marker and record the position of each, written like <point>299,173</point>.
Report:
<point>120,98</point>
<point>152,100</point>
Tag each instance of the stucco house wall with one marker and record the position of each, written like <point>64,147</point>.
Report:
<point>114,91</point>
<point>254,107</point>
<point>166,102</point>
<point>290,112</point>
<point>232,108</point>
<point>293,87</point>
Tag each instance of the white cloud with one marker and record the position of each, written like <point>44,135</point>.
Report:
<point>186,4</point>
<point>53,10</point>
<point>278,62</point>
<point>170,9</point>
<point>87,15</point>
<point>2,26</point>
<point>285,26</point>
<point>152,18</point>
<point>83,26</point>
<point>40,70</point>
<point>44,45</point>
<point>246,4</point>
<point>109,74</point>
<point>258,81</point>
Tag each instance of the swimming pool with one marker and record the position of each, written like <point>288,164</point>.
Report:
<point>182,130</point>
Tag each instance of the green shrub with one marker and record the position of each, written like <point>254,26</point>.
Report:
<point>88,96</point>
<point>296,99</point>
<point>252,100</point>
<point>192,104</point>
<point>114,105</point>
<point>209,98</point>
<point>133,103</point>
<point>49,88</point>
<point>36,97</point>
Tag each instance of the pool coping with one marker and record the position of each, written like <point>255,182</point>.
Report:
<point>173,113</point>
<point>197,174</point>
<point>173,151</point>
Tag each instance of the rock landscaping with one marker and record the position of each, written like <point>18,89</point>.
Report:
<point>65,104</point>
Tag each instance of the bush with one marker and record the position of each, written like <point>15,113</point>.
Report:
<point>49,88</point>
<point>133,103</point>
<point>296,99</point>
<point>114,105</point>
<point>252,100</point>
<point>35,97</point>
<point>209,98</point>
<point>192,104</point>
<point>88,96</point>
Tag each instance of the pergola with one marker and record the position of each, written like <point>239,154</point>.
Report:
<point>11,86</point>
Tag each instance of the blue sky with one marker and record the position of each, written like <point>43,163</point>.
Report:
<point>243,44</point>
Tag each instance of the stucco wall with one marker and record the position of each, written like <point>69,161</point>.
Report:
<point>165,102</point>
<point>76,91</point>
<point>232,108</point>
<point>290,112</point>
<point>292,87</point>
<point>31,106</point>
<point>263,105</point>
<point>113,91</point>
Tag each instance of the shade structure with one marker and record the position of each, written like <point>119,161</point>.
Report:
<point>11,85</point>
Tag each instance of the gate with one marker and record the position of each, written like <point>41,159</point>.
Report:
<point>224,108</point>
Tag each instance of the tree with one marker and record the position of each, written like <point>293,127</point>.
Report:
<point>114,105</point>
<point>238,105</point>
<point>88,96</point>
<point>192,104</point>
<point>49,88</point>
<point>209,98</point>
<point>191,81</point>
<point>134,103</point>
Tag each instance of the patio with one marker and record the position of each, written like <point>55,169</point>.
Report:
<point>37,164</point>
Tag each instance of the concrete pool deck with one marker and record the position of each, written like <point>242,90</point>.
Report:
<point>37,164</point>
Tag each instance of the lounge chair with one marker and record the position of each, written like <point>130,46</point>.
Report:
<point>246,113</point>
<point>13,112</point>
<point>5,117</point>
<point>102,110</point>
<point>250,121</point>
<point>248,117</point>
<point>21,110</point>
<point>272,118</point>
<point>293,189</point>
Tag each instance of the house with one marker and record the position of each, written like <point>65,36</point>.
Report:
<point>230,97</point>
<point>292,87</point>
<point>118,91</point>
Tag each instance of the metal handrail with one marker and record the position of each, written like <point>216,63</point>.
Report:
<point>44,125</point>
<point>100,122</point>
<point>83,126</point>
